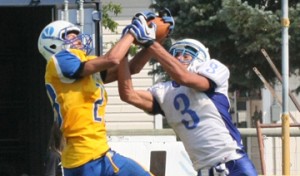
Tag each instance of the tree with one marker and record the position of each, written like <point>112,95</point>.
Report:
<point>235,31</point>
<point>107,22</point>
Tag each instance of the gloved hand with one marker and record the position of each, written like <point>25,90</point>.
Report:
<point>126,30</point>
<point>148,15</point>
<point>143,33</point>
<point>221,170</point>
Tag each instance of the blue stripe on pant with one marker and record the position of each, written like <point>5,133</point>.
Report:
<point>240,167</point>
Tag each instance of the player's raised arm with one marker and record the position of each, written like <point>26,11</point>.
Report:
<point>141,98</point>
<point>176,66</point>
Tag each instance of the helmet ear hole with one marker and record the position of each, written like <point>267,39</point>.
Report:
<point>53,46</point>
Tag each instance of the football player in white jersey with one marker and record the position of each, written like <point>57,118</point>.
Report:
<point>195,104</point>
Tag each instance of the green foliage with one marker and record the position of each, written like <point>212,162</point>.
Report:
<point>235,31</point>
<point>133,50</point>
<point>107,22</point>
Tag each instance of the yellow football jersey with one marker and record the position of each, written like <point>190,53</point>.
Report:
<point>80,105</point>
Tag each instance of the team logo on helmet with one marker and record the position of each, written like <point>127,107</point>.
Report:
<point>48,33</point>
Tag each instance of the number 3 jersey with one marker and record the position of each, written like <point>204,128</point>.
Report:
<point>201,119</point>
<point>80,107</point>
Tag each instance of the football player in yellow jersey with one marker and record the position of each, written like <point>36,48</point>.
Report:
<point>78,97</point>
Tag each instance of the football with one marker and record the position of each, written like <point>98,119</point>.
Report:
<point>162,28</point>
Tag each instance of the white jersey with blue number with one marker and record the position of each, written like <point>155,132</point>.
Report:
<point>201,119</point>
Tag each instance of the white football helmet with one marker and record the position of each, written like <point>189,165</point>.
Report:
<point>52,39</point>
<point>193,47</point>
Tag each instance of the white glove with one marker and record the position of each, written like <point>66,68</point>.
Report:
<point>221,170</point>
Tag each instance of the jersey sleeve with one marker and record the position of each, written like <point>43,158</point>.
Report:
<point>158,92</point>
<point>213,70</point>
<point>69,64</point>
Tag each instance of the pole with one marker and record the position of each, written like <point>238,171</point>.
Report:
<point>81,15</point>
<point>97,19</point>
<point>271,89</point>
<point>98,29</point>
<point>66,10</point>
<point>285,87</point>
<point>278,75</point>
<point>261,148</point>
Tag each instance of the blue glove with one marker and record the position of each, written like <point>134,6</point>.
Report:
<point>148,15</point>
<point>166,15</point>
<point>143,33</point>
<point>126,30</point>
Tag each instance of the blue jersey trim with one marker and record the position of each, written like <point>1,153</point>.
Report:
<point>68,63</point>
<point>55,105</point>
<point>222,104</point>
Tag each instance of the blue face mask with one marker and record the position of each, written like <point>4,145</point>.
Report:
<point>183,52</point>
<point>86,41</point>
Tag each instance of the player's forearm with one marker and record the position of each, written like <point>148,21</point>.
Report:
<point>135,65</point>
<point>111,59</point>
<point>124,81</point>
<point>140,99</point>
<point>120,49</point>
<point>97,65</point>
<point>170,64</point>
